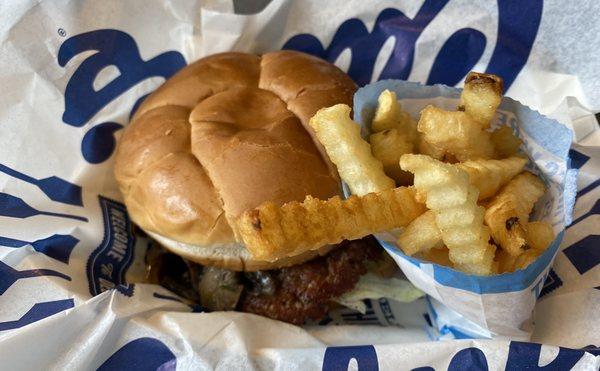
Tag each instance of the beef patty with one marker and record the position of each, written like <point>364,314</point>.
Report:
<point>294,294</point>
<point>304,291</point>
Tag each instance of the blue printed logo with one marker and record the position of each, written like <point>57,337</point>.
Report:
<point>518,24</point>
<point>521,356</point>
<point>111,48</point>
<point>109,262</point>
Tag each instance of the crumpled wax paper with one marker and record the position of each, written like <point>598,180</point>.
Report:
<point>71,269</point>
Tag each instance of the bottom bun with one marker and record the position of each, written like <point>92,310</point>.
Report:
<point>233,257</point>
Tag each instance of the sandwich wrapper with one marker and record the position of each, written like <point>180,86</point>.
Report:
<point>72,271</point>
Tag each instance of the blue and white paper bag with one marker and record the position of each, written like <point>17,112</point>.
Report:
<point>498,305</point>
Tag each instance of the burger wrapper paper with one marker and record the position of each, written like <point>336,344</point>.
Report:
<point>73,292</point>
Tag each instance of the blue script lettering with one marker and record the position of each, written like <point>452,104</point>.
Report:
<point>517,28</point>
<point>468,359</point>
<point>526,356</point>
<point>365,46</point>
<point>112,48</point>
<point>141,354</point>
<point>338,358</point>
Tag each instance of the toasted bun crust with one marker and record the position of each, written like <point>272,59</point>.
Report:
<point>234,256</point>
<point>222,136</point>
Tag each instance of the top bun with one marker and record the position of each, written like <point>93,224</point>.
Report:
<point>224,135</point>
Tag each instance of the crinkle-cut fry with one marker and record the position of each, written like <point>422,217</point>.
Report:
<point>420,235</point>
<point>484,267</point>
<point>459,218</point>
<point>467,214</point>
<point>508,212</point>
<point>443,185</point>
<point>390,115</point>
<point>272,232</point>
<point>426,148</point>
<point>349,151</point>
<point>539,235</point>
<point>387,146</point>
<point>481,96</point>
<point>455,132</point>
<point>472,248</point>
<point>490,175</point>
<point>505,142</point>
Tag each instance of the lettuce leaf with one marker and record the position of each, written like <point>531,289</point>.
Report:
<point>372,286</point>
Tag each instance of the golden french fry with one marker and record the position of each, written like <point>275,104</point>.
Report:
<point>420,235</point>
<point>481,96</point>
<point>505,226</point>
<point>430,150</point>
<point>386,115</point>
<point>495,267</point>
<point>506,262</point>
<point>527,257</point>
<point>444,185</point>
<point>457,133</point>
<point>387,146</point>
<point>348,151</point>
<point>437,255</point>
<point>539,235</point>
<point>488,176</point>
<point>459,218</point>
<point>508,212</point>
<point>484,267</point>
<point>272,232</point>
<point>390,115</point>
<point>505,142</point>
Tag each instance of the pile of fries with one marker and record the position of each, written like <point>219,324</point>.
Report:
<point>454,192</point>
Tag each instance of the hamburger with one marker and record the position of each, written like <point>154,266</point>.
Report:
<point>222,136</point>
